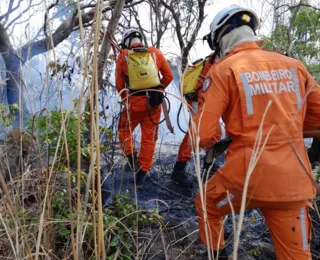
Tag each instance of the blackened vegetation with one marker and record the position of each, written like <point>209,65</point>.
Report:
<point>176,205</point>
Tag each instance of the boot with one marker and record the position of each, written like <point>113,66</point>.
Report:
<point>132,164</point>
<point>223,255</point>
<point>180,176</point>
<point>140,176</point>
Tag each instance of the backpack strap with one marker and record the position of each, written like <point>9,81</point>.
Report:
<point>202,76</point>
<point>154,55</point>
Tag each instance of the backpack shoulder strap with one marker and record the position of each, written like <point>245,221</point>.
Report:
<point>154,55</point>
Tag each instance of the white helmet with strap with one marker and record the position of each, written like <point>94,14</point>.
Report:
<point>130,34</point>
<point>246,17</point>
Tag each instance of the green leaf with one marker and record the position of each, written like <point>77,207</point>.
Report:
<point>115,240</point>
<point>65,233</point>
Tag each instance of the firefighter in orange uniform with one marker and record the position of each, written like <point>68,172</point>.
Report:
<point>141,106</point>
<point>195,101</point>
<point>239,88</point>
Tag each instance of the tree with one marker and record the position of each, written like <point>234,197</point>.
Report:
<point>188,16</point>
<point>182,19</point>
<point>43,41</point>
<point>297,33</point>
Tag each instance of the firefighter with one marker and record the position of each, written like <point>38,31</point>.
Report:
<point>137,74</point>
<point>195,102</point>
<point>239,88</point>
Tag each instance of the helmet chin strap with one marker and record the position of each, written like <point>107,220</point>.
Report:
<point>131,41</point>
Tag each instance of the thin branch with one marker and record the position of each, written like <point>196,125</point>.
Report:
<point>64,30</point>
<point>22,13</point>
<point>297,6</point>
<point>37,35</point>
<point>177,21</point>
<point>46,17</point>
<point>136,17</point>
<point>10,10</point>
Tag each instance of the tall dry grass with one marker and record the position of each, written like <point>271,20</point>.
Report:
<point>32,241</point>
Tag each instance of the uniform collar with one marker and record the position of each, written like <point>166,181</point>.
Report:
<point>246,46</point>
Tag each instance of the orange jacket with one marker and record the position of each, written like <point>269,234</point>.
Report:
<point>122,68</point>
<point>238,88</point>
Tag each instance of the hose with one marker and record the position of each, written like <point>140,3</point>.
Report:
<point>178,121</point>
<point>179,111</point>
<point>149,113</point>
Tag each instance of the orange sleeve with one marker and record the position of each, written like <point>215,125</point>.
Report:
<point>120,75</point>
<point>216,100</point>
<point>165,69</point>
<point>312,118</point>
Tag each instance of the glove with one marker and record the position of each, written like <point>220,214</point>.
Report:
<point>217,149</point>
<point>155,99</point>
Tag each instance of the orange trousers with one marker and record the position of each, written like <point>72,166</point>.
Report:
<point>137,113</point>
<point>288,222</point>
<point>184,154</point>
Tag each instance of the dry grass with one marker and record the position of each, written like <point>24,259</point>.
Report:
<point>26,202</point>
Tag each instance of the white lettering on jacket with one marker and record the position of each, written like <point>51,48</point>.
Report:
<point>277,81</point>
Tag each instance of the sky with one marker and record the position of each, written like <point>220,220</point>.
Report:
<point>200,50</point>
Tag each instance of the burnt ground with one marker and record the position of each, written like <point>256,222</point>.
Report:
<point>176,206</point>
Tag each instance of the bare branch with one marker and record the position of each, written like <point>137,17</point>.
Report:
<point>136,17</point>
<point>192,22</point>
<point>22,13</point>
<point>46,17</point>
<point>10,10</point>
<point>290,7</point>
<point>297,6</point>
<point>64,30</point>
<point>177,21</point>
<point>106,46</point>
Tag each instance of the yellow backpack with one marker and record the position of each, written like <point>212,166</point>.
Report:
<point>142,69</point>
<point>191,76</point>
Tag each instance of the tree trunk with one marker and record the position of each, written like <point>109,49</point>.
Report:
<point>106,46</point>
<point>15,85</point>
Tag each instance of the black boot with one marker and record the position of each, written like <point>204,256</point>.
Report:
<point>180,176</point>
<point>140,176</point>
<point>132,163</point>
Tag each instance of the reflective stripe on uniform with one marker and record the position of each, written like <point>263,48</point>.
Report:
<point>296,87</point>
<point>303,229</point>
<point>155,61</point>
<point>225,200</point>
<point>154,135</point>
<point>247,93</point>
<point>154,57</point>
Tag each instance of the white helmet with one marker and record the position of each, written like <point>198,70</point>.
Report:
<point>130,33</point>
<point>224,16</point>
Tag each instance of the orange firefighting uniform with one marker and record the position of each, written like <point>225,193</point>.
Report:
<point>135,111</point>
<point>238,88</point>
<point>184,154</point>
